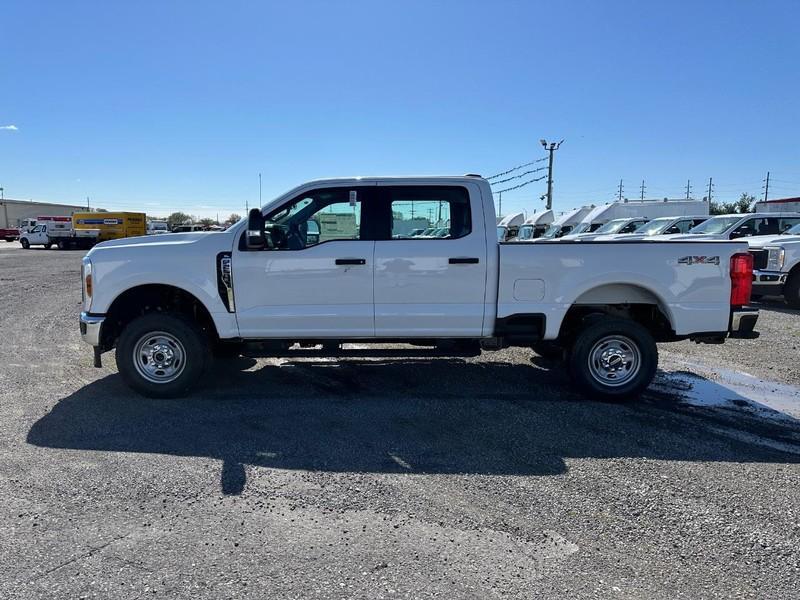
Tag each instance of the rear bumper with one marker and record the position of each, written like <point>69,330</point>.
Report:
<point>768,283</point>
<point>91,328</point>
<point>743,322</point>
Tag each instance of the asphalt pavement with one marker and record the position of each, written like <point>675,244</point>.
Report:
<point>399,477</point>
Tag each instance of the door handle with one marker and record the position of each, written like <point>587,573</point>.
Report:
<point>351,261</point>
<point>462,260</point>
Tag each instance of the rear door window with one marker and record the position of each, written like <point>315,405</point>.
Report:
<point>444,210</point>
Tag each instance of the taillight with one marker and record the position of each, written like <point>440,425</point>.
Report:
<point>741,278</point>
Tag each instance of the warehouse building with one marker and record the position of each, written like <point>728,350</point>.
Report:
<point>13,212</point>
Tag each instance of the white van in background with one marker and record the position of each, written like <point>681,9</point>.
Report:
<point>564,224</point>
<point>509,225</point>
<point>535,226</point>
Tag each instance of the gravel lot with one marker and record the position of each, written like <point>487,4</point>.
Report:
<point>383,478</point>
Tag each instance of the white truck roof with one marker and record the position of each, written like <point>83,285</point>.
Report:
<point>648,208</point>
<point>542,218</point>
<point>573,216</point>
<point>512,220</point>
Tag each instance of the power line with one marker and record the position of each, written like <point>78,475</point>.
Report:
<point>512,169</point>
<point>518,176</point>
<point>521,185</point>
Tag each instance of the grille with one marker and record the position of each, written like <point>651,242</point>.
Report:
<point>759,258</point>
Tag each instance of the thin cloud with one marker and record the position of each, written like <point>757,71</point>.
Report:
<point>9,127</point>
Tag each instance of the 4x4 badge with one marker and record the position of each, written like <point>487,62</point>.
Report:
<point>699,260</point>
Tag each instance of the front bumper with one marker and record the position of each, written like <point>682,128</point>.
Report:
<point>91,328</point>
<point>743,322</point>
<point>768,283</point>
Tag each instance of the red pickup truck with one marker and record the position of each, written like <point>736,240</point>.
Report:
<point>9,234</point>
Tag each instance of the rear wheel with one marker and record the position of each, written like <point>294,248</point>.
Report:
<point>25,243</point>
<point>162,355</point>
<point>62,245</point>
<point>614,359</point>
<point>791,291</point>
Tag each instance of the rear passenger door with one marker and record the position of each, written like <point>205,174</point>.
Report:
<point>430,286</point>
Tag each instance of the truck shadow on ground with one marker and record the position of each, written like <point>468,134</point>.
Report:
<point>388,416</point>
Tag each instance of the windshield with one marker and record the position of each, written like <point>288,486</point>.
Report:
<point>654,227</point>
<point>716,225</point>
<point>556,231</point>
<point>793,230</point>
<point>581,228</point>
<point>612,226</point>
<point>525,232</point>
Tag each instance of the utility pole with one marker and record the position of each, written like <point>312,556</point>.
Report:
<point>551,148</point>
<point>710,185</point>
<point>1,194</point>
<point>766,188</point>
<point>688,188</point>
<point>87,203</point>
<point>619,194</point>
<point>500,205</point>
<point>642,188</point>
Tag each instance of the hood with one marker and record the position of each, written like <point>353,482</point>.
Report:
<point>759,241</point>
<point>172,239</point>
<point>687,236</point>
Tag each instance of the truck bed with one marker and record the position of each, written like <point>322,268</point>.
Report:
<point>689,281</point>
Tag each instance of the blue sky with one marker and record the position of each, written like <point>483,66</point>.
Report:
<point>167,106</point>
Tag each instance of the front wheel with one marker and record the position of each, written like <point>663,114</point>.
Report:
<point>614,359</point>
<point>791,291</point>
<point>162,355</point>
<point>25,243</point>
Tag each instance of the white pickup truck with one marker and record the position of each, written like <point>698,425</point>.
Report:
<point>167,302</point>
<point>59,234</point>
<point>776,265</point>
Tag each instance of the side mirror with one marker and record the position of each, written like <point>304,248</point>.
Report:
<point>742,232</point>
<point>255,230</point>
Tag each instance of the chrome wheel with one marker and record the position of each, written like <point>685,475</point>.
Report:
<point>614,360</point>
<point>159,357</point>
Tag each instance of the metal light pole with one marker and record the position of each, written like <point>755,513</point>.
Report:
<point>551,147</point>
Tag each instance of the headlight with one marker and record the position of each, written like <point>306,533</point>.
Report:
<point>775,258</point>
<point>87,287</point>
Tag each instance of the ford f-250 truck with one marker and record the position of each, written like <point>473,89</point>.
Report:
<point>167,302</point>
<point>776,265</point>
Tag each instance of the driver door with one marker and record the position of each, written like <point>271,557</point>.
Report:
<point>316,282</point>
<point>38,235</point>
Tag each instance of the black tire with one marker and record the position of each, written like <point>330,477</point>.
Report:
<point>25,243</point>
<point>791,291</point>
<point>549,350</point>
<point>192,346</point>
<point>613,338</point>
<point>62,245</point>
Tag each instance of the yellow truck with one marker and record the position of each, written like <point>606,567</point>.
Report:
<point>111,225</point>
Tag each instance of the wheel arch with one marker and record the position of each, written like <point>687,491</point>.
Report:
<point>147,298</point>
<point>624,300</point>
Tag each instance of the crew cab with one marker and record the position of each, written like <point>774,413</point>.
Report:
<point>168,303</point>
<point>776,265</point>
